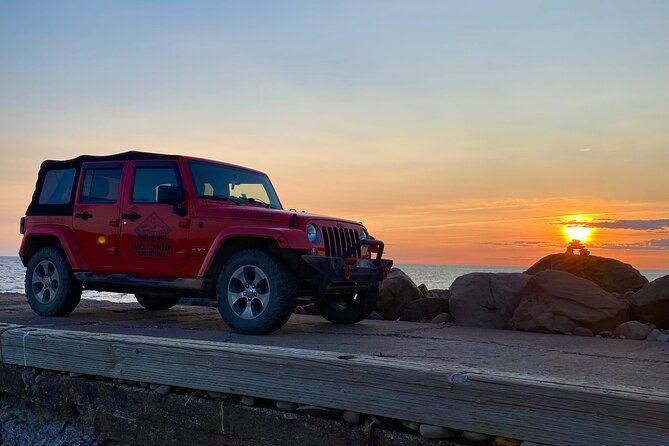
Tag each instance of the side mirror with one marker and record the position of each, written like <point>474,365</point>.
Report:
<point>170,194</point>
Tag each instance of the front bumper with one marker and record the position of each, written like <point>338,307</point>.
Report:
<point>346,272</point>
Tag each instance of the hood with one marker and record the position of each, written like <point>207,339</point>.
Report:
<point>260,213</point>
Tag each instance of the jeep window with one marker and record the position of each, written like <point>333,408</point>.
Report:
<point>57,186</point>
<point>213,180</point>
<point>147,180</point>
<point>100,186</point>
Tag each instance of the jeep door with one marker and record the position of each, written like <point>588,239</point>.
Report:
<point>97,210</point>
<point>154,238</point>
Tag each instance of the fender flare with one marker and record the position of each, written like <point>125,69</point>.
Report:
<point>65,237</point>
<point>285,238</point>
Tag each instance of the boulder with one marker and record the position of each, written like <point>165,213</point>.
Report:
<point>423,289</point>
<point>424,309</point>
<point>394,293</point>
<point>651,303</point>
<point>559,302</point>
<point>439,293</point>
<point>657,335</point>
<point>610,274</point>
<point>486,300</point>
<point>632,330</point>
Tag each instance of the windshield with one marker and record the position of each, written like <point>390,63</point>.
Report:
<point>218,181</point>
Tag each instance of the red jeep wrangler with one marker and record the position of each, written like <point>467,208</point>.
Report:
<point>165,226</point>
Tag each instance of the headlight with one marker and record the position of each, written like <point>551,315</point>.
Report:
<point>313,234</point>
<point>363,234</point>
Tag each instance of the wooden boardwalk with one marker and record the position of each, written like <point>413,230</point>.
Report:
<point>544,388</point>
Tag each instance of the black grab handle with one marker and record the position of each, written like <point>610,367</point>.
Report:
<point>83,215</point>
<point>132,217</point>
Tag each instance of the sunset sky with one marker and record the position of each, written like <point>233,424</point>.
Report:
<point>463,132</point>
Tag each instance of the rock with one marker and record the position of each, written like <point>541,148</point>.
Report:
<point>394,293</point>
<point>443,318</point>
<point>351,417</point>
<point>436,432</point>
<point>632,330</point>
<point>163,390</point>
<point>132,383</point>
<point>307,309</point>
<point>248,400</point>
<point>531,443</point>
<point>503,441</point>
<point>651,303</point>
<point>558,302</point>
<point>475,436</point>
<point>153,386</point>
<point>286,405</point>
<point>374,316</point>
<point>657,335</point>
<point>120,381</point>
<point>379,421</point>
<point>411,425</point>
<point>582,331</point>
<point>445,294</point>
<point>423,289</point>
<point>218,396</point>
<point>611,275</point>
<point>75,375</point>
<point>486,300</point>
<point>143,384</point>
<point>424,309</point>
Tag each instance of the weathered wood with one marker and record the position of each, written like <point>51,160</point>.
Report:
<point>529,409</point>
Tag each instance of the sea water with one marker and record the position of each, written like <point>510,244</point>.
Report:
<point>12,276</point>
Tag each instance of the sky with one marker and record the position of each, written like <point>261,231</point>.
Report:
<point>459,132</point>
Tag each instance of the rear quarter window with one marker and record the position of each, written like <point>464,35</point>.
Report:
<point>57,186</point>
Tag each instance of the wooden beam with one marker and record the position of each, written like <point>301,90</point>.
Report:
<point>526,409</point>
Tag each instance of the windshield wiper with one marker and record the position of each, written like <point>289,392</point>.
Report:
<point>256,200</point>
<point>226,198</point>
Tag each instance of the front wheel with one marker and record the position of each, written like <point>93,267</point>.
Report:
<point>348,308</point>
<point>156,302</point>
<point>255,292</point>
<point>51,288</point>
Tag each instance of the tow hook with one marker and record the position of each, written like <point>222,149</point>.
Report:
<point>347,272</point>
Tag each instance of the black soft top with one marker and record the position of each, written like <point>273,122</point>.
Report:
<point>35,208</point>
<point>78,161</point>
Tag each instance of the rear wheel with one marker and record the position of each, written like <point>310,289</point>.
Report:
<point>255,292</point>
<point>51,288</point>
<point>348,308</point>
<point>157,302</point>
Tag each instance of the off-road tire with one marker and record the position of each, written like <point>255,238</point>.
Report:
<point>280,298</point>
<point>349,308</point>
<point>157,301</point>
<point>64,292</point>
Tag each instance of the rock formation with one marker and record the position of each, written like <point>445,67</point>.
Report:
<point>486,300</point>
<point>610,274</point>
<point>559,302</point>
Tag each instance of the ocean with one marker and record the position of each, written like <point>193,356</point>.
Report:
<point>12,275</point>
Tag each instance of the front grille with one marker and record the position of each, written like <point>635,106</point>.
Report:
<point>338,241</point>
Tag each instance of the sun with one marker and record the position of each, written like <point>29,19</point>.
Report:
<point>580,233</point>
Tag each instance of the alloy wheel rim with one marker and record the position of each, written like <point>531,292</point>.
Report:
<point>45,281</point>
<point>248,292</point>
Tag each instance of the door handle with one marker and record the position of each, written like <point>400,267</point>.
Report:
<point>132,216</point>
<point>83,215</point>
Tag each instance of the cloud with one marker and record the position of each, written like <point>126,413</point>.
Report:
<point>637,225</point>
<point>524,243</point>
<point>647,245</point>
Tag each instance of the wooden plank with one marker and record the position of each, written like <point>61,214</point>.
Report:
<point>544,412</point>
